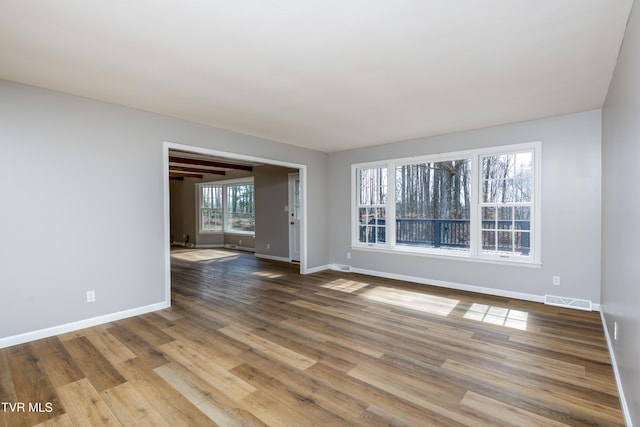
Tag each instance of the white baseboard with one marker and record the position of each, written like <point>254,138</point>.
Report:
<point>238,247</point>
<point>81,324</point>
<point>272,257</point>
<point>616,373</point>
<point>317,269</point>
<point>450,285</point>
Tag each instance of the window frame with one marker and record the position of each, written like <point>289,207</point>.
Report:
<point>200,201</point>
<point>228,216</point>
<point>475,252</point>
<point>374,206</point>
<point>224,184</point>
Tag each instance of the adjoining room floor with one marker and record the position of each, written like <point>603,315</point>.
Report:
<point>252,342</point>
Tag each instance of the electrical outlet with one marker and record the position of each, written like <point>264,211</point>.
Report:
<point>91,296</point>
<point>268,245</point>
<point>239,241</point>
<point>556,280</point>
<point>348,255</point>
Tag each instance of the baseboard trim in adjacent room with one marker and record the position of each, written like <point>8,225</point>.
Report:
<point>238,247</point>
<point>616,373</point>
<point>272,257</point>
<point>317,269</point>
<point>81,324</point>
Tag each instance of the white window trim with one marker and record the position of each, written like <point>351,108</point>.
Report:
<point>223,184</point>
<point>199,186</point>
<point>475,253</point>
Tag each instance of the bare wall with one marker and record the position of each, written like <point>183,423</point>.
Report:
<point>620,213</point>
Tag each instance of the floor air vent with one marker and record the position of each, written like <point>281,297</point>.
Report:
<point>580,304</point>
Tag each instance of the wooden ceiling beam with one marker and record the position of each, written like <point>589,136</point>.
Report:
<point>196,170</point>
<point>183,175</point>
<point>198,162</point>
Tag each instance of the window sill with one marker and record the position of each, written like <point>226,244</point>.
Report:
<point>460,255</point>
<point>241,233</point>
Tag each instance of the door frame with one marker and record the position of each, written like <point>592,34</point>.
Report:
<point>291,195</point>
<point>302,169</point>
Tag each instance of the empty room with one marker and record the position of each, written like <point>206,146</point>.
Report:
<point>369,213</point>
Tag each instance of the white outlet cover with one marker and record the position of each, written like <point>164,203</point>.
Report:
<point>91,296</point>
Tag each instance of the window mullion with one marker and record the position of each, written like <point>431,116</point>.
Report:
<point>390,209</point>
<point>475,226</point>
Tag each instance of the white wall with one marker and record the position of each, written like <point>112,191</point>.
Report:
<point>82,204</point>
<point>570,210</point>
<point>621,214</point>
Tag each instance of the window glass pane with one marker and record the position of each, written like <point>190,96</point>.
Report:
<point>372,225</point>
<point>433,204</point>
<point>505,241</point>
<point>507,178</point>
<point>363,217</point>
<point>505,214</point>
<point>489,218</point>
<point>211,219</point>
<point>522,213</point>
<point>240,208</point>
<point>296,198</point>
<point>522,242</point>
<point>373,186</point>
<point>488,239</point>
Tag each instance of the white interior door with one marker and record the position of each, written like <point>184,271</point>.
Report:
<point>294,216</point>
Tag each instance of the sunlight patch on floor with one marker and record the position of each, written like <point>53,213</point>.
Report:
<point>268,274</point>
<point>344,285</point>
<point>200,255</point>
<point>432,304</point>
<point>500,316</point>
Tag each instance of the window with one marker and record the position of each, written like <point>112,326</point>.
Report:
<point>210,207</point>
<point>479,204</point>
<point>372,199</point>
<point>227,206</point>
<point>433,204</point>
<point>240,215</point>
<point>507,200</point>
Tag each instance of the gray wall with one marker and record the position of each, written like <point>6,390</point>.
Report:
<point>621,213</point>
<point>82,204</point>
<point>272,222</point>
<point>570,209</point>
<point>182,210</point>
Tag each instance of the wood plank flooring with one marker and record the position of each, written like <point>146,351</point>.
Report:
<point>250,342</point>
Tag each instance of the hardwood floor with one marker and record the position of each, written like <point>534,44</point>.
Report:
<point>251,342</point>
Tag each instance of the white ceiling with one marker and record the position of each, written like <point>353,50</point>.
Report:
<point>324,74</point>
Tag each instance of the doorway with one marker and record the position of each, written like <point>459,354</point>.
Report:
<point>294,217</point>
<point>299,211</point>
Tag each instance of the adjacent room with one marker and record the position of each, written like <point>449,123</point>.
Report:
<point>319,213</point>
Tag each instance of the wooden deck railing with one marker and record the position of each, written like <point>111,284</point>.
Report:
<point>455,233</point>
